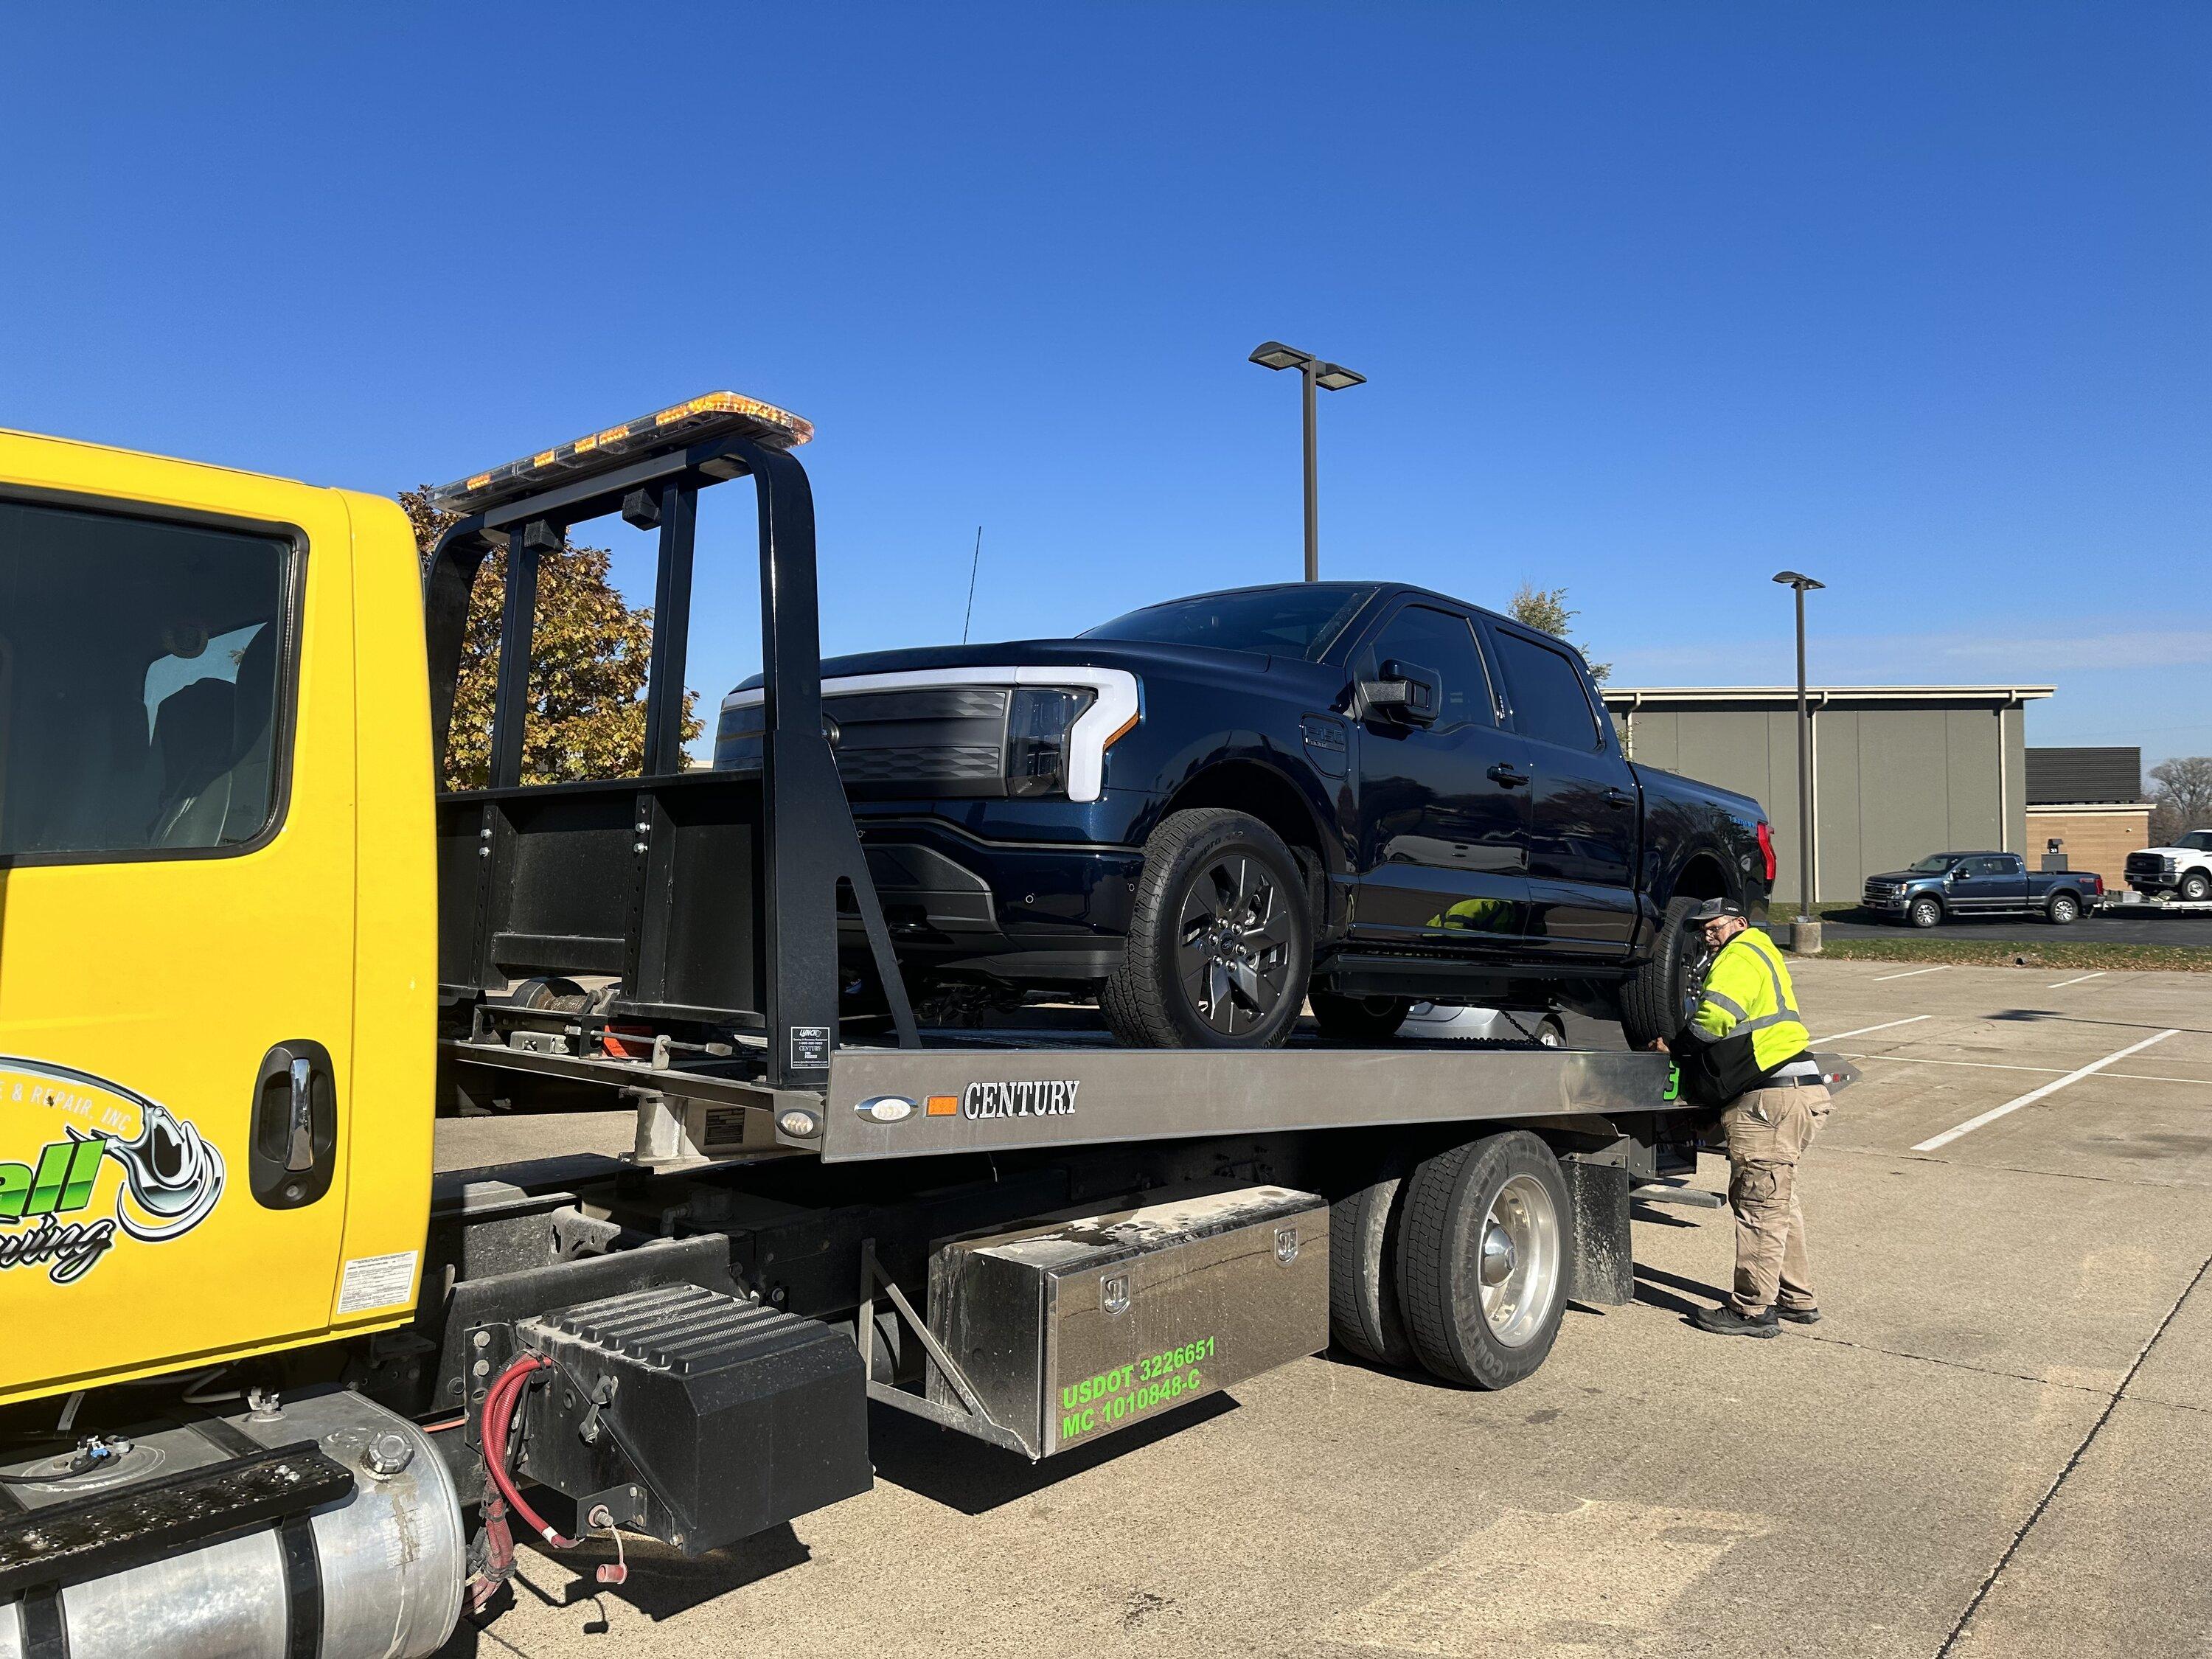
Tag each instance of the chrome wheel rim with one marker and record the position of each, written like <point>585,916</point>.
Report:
<point>1518,1260</point>
<point>1233,944</point>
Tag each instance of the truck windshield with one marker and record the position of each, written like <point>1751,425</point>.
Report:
<point>2196,840</point>
<point>1300,622</point>
<point>1934,864</point>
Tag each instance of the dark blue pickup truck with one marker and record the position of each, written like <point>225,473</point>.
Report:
<point>1958,886</point>
<point>1206,810</point>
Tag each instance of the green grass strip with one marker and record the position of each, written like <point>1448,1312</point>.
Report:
<point>2000,953</point>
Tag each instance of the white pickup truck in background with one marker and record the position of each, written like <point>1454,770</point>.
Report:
<point>2183,870</point>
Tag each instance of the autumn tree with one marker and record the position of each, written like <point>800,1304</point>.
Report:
<point>1545,609</point>
<point>589,650</point>
<point>2180,797</point>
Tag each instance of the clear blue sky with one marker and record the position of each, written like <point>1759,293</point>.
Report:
<point>1654,299</point>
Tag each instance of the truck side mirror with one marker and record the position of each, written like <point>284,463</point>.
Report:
<point>1406,693</point>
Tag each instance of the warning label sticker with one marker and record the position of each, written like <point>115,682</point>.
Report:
<point>376,1281</point>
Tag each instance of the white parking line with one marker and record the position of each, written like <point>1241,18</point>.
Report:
<point>2033,1095</point>
<point>2076,980</point>
<point>1884,1026</point>
<point>1914,974</point>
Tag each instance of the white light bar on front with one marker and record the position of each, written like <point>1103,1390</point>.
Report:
<point>714,414</point>
<point>1113,712</point>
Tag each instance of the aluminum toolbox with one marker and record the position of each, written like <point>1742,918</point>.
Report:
<point>1074,1327</point>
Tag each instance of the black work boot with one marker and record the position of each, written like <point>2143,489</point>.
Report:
<point>1725,1320</point>
<point>1799,1316</point>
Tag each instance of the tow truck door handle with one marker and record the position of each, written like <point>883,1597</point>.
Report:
<point>292,1150</point>
<point>1506,772</point>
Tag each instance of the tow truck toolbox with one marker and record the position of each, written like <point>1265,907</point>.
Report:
<point>247,958</point>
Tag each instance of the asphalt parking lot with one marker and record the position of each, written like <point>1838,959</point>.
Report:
<point>1999,1441</point>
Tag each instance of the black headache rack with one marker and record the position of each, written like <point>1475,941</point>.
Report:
<point>673,939</point>
<point>709,898</point>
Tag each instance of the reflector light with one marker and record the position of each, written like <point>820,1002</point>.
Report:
<point>716,414</point>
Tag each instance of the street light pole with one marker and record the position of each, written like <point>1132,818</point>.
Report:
<point>1314,375</point>
<point>1313,477</point>
<point>1805,896</point>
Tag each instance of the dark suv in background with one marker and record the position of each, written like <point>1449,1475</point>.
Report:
<point>1208,810</point>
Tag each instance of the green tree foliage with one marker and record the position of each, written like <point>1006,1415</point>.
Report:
<point>588,659</point>
<point>1545,609</point>
<point>2180,797</point>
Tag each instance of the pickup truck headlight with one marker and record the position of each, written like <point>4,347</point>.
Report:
<point>1038,720</point>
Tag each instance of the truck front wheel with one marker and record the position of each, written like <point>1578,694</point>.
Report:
<point>1924,912</point>
<point>1220,944</point>
<point>2195,887</point>
<point>1482,1249</point>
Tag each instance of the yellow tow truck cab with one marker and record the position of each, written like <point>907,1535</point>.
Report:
<point>217,973</point>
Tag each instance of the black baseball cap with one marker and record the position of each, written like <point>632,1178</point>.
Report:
<point>1713,910</point>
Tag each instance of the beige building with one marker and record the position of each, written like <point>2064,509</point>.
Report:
<point>2092,800</point>
<point>1899,771</point>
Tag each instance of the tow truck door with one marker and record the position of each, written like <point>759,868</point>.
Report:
<point>177,927</point>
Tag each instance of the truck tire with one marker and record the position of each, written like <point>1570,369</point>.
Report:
<point>2196,888</point>
<point>2064,909</point>
<point>1655,1001</point>
<point>1220,943</point>
<point>1924,912</point>
<point>1363,1266</point>
<point>1359,1019</point>
<point>1483,1243</point>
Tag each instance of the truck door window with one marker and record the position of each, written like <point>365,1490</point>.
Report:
<point>1549,701</point>
<point>143,701</point>
<point>1438,640</point>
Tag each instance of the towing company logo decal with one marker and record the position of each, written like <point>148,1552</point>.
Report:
<point>1055,1099</point>
<point>171,1175</point>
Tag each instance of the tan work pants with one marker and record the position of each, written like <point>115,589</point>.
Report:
<point>1768,1131</point>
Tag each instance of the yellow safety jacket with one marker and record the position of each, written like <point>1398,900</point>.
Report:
<point>1746,1024</point>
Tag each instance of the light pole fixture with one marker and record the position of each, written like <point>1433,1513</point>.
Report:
<point>1332,377</point>
<point>1801,582</point>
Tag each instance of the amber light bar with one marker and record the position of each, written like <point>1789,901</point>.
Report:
<point>717,414</point>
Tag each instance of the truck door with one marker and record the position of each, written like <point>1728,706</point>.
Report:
<point>177,863</point>
<point>1989,884</point>
<point>1584,822</point>
<point>1444,809</point>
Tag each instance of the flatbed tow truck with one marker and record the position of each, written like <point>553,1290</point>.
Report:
<point>273,1389</point>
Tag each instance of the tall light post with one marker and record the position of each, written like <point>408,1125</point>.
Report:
<point>1800,582</point>
<point>1332,377</point>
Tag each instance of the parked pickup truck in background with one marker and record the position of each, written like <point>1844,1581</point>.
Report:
<point>2183,870</point>
<point>1203,810</point>
<point>1956,886</point>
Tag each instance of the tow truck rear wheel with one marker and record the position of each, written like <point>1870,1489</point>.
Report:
<point>1362,1267</point>
<point>1482,1252</point>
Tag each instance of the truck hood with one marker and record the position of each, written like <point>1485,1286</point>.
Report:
<point>2179,854</point>
<point>1134,656</point>
<point>1909,875</point>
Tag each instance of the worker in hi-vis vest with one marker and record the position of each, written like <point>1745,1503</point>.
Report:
<point>1745,1050</point>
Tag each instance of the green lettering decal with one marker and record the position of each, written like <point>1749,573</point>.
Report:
<point>1673,1084</point>
<point>15,1183</point>
<point>53,1170</point>
<point>84,1173</point>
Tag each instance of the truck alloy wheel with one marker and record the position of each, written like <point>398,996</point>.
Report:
<point>1482,1258</point>
<point>2195,887</point>
<point>1219,944</point>
<point>2064,909</point>
<point>1924,912</point>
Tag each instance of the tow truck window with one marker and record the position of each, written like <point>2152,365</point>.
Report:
<point>139,691</point>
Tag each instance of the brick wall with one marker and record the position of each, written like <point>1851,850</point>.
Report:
<point>2097,839</point>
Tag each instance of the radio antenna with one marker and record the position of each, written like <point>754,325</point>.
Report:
<point>973,565</point>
